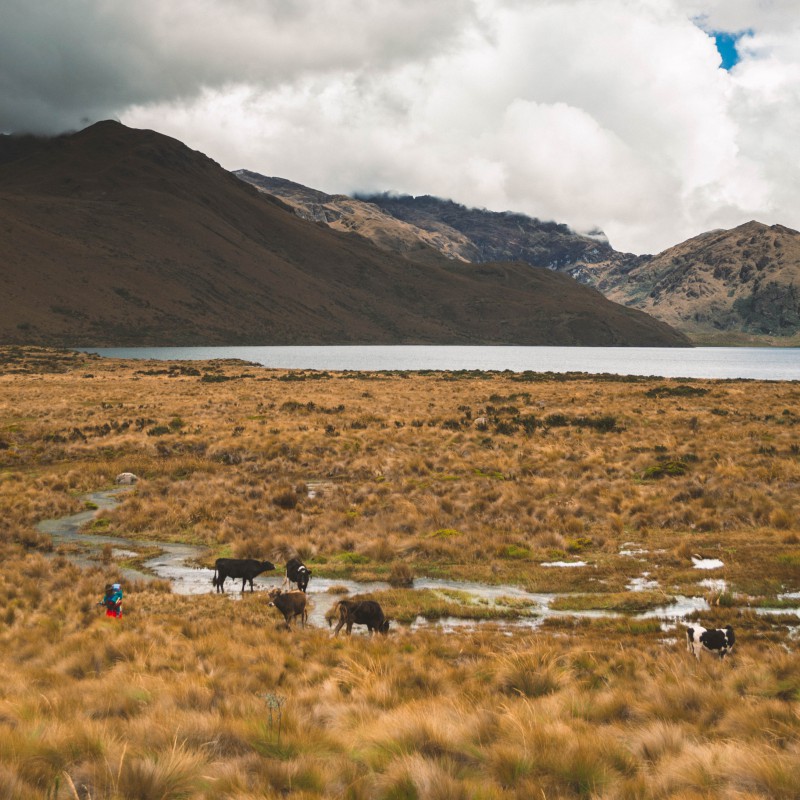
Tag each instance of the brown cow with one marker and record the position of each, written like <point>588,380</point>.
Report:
<point>290,604</point>
<point>361,612</point>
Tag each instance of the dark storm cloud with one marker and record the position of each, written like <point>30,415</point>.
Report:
<point>64,63</point>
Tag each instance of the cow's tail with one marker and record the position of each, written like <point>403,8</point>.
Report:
<point>214,579</point>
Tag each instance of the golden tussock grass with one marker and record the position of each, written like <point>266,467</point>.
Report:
<point>171,701</point>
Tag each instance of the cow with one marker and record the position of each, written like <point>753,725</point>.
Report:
<point>360,612</point>
<point>291,604</point>
<point>297,572</point>
<point>716,640</point>
<point>244,568</point>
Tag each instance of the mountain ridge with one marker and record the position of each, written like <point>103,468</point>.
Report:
<point>712,287</point>
<point>115,236</point>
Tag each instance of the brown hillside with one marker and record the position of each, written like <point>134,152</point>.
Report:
<point>351,215</point>
<point>116,236</point>
<point>744,280</point>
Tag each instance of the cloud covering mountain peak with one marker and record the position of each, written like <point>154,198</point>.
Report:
<point>608,113</point>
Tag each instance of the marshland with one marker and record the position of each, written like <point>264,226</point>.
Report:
<point>404,481</point>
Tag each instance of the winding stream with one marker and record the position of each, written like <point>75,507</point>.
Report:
<point>173,563</point>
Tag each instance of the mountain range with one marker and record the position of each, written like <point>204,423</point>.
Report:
<point>735,286</point>
<point>115,236</point>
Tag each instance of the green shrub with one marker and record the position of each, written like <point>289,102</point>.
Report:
<point>159,430</point>
<point>514,551</point>
<point>445,533</point>
<point>352,558</point>
<point>682,390</point>
<point>577,544</point>
<point>664,469</point>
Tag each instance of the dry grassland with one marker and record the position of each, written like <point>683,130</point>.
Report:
<point>481,476</point>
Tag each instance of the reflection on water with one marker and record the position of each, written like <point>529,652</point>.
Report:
<point>174,564</point>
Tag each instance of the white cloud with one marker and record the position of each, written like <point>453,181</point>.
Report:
<point>612,113</point>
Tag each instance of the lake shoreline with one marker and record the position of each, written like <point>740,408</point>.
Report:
<point>746,363</point>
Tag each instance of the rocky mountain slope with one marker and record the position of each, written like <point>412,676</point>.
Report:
<point>351,215</point>
<point>401,222</point>
<point>740,283</point>
<point>116,236</point>
<point>735,287</point>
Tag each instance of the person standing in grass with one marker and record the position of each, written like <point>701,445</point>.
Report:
<point>112,600</point>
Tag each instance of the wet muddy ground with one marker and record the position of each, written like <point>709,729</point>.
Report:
<point>174,563</point>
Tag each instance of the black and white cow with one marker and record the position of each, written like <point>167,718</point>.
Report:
<point>297,572</point>
<point>715,640</point>
<point>244,568</point>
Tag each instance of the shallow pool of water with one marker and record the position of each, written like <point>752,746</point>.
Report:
<point>175,564</point>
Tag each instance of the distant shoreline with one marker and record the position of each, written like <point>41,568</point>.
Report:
<point>695,363</point>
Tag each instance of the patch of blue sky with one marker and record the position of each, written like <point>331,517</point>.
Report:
<point>726,47</point>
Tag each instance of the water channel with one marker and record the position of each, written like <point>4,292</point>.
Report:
<point>175,563</point>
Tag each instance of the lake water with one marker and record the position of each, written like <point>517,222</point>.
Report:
<point>761,363</point>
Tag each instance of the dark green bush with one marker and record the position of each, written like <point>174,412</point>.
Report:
<point>682,390</point>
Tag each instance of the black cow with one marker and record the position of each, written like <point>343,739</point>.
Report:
<point>297,572</point>
<point>244,568</point>
<point>291,604</point>
<point>361,612</point>
<point>716,640</point>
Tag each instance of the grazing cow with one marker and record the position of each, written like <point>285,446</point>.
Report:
<point>361,612</point>
<point>244,568</point>
<point>716,640</point>
<point>297,572</point>
<point>290,604</point>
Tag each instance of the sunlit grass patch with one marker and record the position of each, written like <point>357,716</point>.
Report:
<point>407,605</point>
<point>615,601</point>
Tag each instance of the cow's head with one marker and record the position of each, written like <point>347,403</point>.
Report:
<point>267,565</point>
<point>384,628</point>
<point>273,593</point>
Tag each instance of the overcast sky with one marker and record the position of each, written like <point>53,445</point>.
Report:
<point>616,114</point>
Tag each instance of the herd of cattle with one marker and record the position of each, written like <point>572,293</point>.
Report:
<point>293,604</point>
<point>356,611</point>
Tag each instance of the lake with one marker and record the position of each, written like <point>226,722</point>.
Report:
<point>760,363</point>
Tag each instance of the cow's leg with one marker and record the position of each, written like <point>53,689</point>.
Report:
<point>221,582</point>
<point>339,625</point>
<point>349,627</point>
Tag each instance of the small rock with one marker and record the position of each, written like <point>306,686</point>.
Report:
<point>126,478</point>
